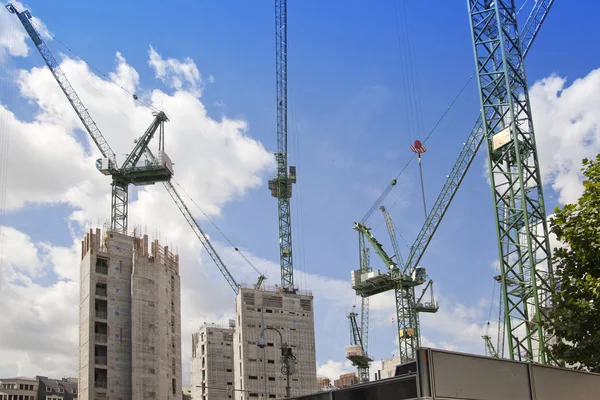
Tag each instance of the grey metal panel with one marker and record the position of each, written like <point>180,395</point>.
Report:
<point>462,376</point>
<point>558,384</point>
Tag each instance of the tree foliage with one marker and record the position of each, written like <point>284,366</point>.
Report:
<point>575,314</point>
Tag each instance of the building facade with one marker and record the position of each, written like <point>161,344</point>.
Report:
<point>129,319</point>
<point>19,388</point>
<point>212,362</point>
<point>257,371</point>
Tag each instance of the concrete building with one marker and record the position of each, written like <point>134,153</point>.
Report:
<point>59,389</point>
<point>388,366</point>
<point>212,362</point>
<point>345,380</point>
<point>19,388</point>
<point>258,371</point>
<point>129,319</point>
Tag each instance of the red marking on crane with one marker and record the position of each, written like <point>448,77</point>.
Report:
<point>418,147</point>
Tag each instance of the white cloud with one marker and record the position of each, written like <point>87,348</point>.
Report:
<point>333,369</point>
<point>12,36</point>
<point>178,75</point>
<point>567,127</point>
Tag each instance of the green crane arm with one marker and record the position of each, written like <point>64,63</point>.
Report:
<point>65,85</point>
<point>197,230</point>
<point>468,152</point>
<point>140,146</point>
<point>201,235</point>
<point>392,232</point>
<point>376,245</point>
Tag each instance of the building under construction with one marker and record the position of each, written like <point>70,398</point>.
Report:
<point>258,371</point>
<point>212,362</point>
<point>129,319</point>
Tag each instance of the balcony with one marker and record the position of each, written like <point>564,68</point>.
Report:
<point>101,314</point>
<point>100,360</point>
<point>101,337</point>
<point>102,266</point>
<point>101,291</point>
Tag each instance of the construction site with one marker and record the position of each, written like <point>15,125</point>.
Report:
<point>130,318</point>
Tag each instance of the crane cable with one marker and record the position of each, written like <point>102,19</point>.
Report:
<point>394,181</point>
<point>133,95</point>
<point>6,97</point>
<point>220,231</point>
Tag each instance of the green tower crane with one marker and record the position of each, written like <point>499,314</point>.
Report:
<point>281,185</point>
<point>519,211</point>
<point>358,351</point>
<point>387,281</point>
<point>131,172</point>
<point>155,169</point>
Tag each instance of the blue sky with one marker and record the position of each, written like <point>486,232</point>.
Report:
<point>349,136</point>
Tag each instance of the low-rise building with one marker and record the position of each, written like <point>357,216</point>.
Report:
<point>57,389</point>
<point>324,384</point>
<point>19,388</point>
<point>346,380</point>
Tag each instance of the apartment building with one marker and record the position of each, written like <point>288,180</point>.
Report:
<point>258,371</point>
<point>212,362</point>
<point>129,319</point>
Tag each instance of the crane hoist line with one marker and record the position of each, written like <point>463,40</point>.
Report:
<point>153,169</point>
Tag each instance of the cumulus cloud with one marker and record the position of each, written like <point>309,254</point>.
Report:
<point>53,161</point>
<point>333,369</point>
<point>567,127</point>
<point>567,130</point>
<point>178,75</point>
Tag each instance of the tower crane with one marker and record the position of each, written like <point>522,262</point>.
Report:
<point>358,351</point>
<point>520,215</point>
<point>386,281</point>
<point>154,169</point>
<point>403,281</point>
<point>130,172</point>
<point>281,185</point>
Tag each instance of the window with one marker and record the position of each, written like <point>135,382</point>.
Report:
<point>270,361</point>
<point>74,391</point>
<point>271,378</point>
<point>253,377</point>
<point>229,370</point>
<point>174,385</point>
<point>61,390</point>
<point>48,389</point>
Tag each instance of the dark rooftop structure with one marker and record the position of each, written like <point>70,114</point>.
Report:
<point>65,387</point>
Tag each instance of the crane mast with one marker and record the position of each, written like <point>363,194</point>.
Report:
<point>281,185</point>
<point>519,211</point>
<point>360,357</point>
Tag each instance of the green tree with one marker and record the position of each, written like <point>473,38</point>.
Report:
<point>576,313</point>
